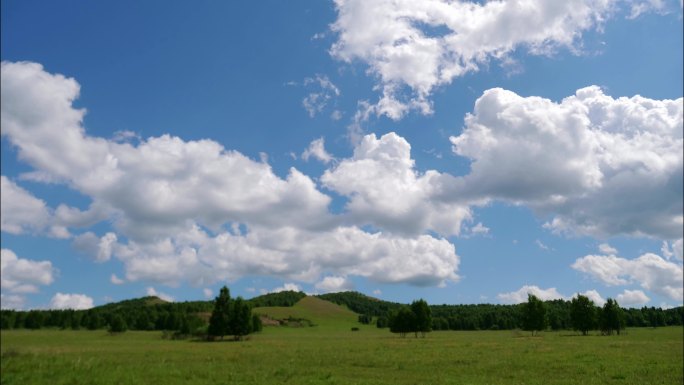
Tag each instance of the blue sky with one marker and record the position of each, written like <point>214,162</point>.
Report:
<point>462,153</point>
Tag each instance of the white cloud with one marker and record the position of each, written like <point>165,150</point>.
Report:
<point>291,253</point>
<point>479,229</point>
<point>673,249</point>
<point>19,275</point>
<point>71,301</point>
<point>414,46</point>
<point>21,212</point>
<point>377,292</point>
<point>116,280</point>
<point>572,159</point>
<point>541,245</point>
<point>98,249</point>
<point>208,293</point>
<point>154,293</point>
<point>287,287</point>
<point>152,188</point>
<point>317,150</point>
<point>639,7</point>
<point>594,296</point>
<point>385,190</point>
<point>632,298</point>
<point>650,271</point>
<point>316,101</point>
<point>12,301</point>
<point>333,284</point>
<point>607,249</point>
<point>520,295</point>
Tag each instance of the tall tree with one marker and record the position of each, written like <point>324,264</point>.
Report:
<point>219,323</point>
<point>240,318</point>
<point>612,318</point>
<point>534,314</point>
<point>422,317</point>
<point>582,314</point>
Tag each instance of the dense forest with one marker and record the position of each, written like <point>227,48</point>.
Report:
<point>152,313</point>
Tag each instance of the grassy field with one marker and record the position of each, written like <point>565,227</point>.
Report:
<point>330,353</point>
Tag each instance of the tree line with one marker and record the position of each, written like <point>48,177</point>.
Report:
<point>496,317</point>
<point>147,313</point>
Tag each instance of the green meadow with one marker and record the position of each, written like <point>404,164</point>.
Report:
<point>330,353</point>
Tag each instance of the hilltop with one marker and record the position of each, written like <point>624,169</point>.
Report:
<point>309,311</point>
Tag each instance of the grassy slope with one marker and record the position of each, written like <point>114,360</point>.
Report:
<point>324,314</point>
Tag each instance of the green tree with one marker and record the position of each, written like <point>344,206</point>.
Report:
<point>219,323</point>
<point>422,317</point>
<point>612,317</point>
<point>240,318</point>
<point>582,314</point>
<point>257,325</point>
<point>534,314</point>
<point>117,324</point>
<point>402,321</point>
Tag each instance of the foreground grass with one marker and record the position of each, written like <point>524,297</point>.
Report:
<point>325,356</point>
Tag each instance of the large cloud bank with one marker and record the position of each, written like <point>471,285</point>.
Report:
<point>195,211</point>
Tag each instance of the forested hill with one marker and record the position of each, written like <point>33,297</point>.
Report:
<point>146,313</point>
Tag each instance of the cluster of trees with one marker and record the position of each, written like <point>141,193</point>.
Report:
<point>416,318</point>
<point>584,315</point>
<point>232,317</point>
<point>283,298</point>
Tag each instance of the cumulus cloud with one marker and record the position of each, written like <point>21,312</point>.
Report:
<point>478,230</point>
<point>385,190</point>
<point>291,253</point>
<point>98,249</point>
<point>150,291</point>
<point>572,159</point>
<point>607,249</point>
<point>650,271</point>
<point>194,211</point>
<point>594,296</point>
<point>412,47</point>
<point>520,295</point>
<point>71,301</point>
<point>317,150</point>
<point>289,286</point>
<point>672,249</point>
<point>20,211</point>
<point>153,187</point>
<point>333,284</point>
<point>21,275</point>
<point>208,293</point>
<point>632,298</point>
